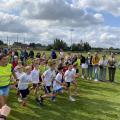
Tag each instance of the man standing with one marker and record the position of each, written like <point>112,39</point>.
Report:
<point>112,67</point>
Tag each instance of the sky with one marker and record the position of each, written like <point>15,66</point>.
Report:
<point>41,21</point>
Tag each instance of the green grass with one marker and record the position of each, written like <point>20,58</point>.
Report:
<point>95,101</point>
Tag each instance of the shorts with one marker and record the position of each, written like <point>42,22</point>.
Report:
<point>24,93</point>
<point>4,91</point>
<point>58,90</point>
<point>68,84</point>
<point>35,85</point>
<point>47,89</point>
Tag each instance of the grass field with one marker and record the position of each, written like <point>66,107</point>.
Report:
<point>95,101</point>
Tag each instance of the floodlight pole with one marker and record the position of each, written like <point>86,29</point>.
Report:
<point>71,32</point>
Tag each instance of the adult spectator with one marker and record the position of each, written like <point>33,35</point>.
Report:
<point>38,55</point>
<point>5,76</point>
<point>31,54</point>
<point>90,66</point>
<point>16,53</point>
<point>103,68</point>
<point>61,53</point>
<point>53,54</point>
<point>112,67</point>
<point>84,66</point>
<point>95,63</point>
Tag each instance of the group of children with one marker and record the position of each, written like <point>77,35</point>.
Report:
<point>46,79</point>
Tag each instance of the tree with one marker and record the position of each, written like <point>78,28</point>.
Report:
<point>33,45</point>
<point>58,44</point>
<point>1,42</point>
<point>86,46</point>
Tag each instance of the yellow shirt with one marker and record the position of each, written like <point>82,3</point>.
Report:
<point>5,75</point>
<point>95,60</point>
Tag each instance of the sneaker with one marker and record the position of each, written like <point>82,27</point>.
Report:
<point>96,80</point>
<point>72,99</point>
<point>82,77</point>
<point>19,100</point>
<point>54,100</point>
<point>90,78</point>
<point>39,101</point>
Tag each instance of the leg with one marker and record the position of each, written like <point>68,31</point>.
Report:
<point>75,86</point>
<point>2,101</point>
<point>104,74</point>
<point>110,79</point>
<point>113,74</point>
<point>101,74</point>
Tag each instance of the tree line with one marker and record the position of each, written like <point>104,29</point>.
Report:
<point>57,45</point>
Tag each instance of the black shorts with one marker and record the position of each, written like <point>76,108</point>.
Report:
<point>35,85</point>
<point>47,89</point>
<point>24,93</point>
<point>68,84</point>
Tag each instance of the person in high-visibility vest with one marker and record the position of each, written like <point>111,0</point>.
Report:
<point>5,76</point>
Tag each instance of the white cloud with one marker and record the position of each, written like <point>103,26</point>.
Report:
<point>12,23</point>
<point>43,20</point>
<point>110,6</point>
<point>59,12</point>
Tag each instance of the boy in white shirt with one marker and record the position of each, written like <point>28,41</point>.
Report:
<point>23,83</point>
<point>35,76</point>
<point>47,79</point>
<point>69,77</point>
<point>57,83</point>
<point>19,72</point>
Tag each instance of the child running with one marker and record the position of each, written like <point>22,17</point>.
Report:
<point>57,83</point>
<point>69,77</point>
<point>35,76</point>
<point>47,79</point>
<point>23,83</point>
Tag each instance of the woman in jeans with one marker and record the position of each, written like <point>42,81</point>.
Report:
<point>103,68</point>
<point>112,67</point>
<point>90,66</point>
<point>95,63</point>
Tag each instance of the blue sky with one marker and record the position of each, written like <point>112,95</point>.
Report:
<point>44,20</point>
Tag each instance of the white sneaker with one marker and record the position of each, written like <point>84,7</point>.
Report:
<point>54,100</point>
<point>19,100</point>
<point>82,77</point>
<point>96,80</point>
<point>72,99</point>
<point>88,78</point>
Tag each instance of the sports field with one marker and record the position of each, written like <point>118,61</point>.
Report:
<point>95,101</point>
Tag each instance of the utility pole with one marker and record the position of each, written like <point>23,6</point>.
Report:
<point>17,38</point>
<point>71,32</point>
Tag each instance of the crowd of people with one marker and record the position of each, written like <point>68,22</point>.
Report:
<point>47,76</point>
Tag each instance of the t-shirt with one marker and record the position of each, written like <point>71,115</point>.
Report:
<point>69,74</point>
<point>35,75</point>
<point>18,74</point>
<point>49,75</point>
<point>74,71</point>
<point>103,62</point>
<point>58,78</point>
<point>24,81</point>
